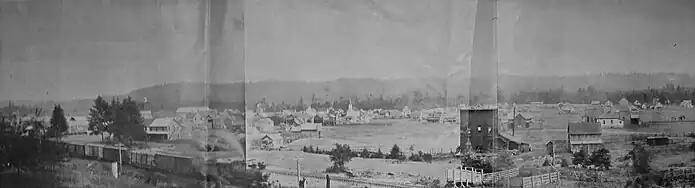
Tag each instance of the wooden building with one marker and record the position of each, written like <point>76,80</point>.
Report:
<point>478,128</point>
<point>584,135</point>
<point>555,147</point>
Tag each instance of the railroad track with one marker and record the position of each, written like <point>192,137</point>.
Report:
<point>369,184</point>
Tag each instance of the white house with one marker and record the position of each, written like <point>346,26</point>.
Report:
<point>610,120</point>
<point>166,129</point>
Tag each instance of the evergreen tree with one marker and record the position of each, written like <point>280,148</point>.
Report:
<point>59,125</point>
<point>98,116</point>
<point>395,152</point>
<point>127,122</point>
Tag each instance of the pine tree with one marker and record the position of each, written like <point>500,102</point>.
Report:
<point>395,152</point>
<point>59,125</point>
<point>127,122</point>
<point>98,116</point>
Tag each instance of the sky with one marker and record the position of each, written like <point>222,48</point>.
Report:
<point>59,50</point>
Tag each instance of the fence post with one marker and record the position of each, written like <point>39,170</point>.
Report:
<point>328,181</point>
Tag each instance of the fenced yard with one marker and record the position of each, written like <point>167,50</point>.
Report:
<point>541,180</point>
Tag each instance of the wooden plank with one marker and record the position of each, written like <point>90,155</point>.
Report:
<point>536,180</point>
<point>545,179</point>
<point>527,182</point>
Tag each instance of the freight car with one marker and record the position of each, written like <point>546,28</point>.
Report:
<point>111,154</point>
<point>175,164</point>
<point>94,151</point>
<point>233,171</point>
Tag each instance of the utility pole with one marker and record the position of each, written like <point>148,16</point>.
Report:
<point>513,119</point>
<point>299,176</point>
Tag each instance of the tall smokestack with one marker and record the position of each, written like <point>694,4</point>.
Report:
<point>484,54</point>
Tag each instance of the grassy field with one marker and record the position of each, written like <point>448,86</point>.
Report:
<point>423,137</point>
<point>377,169</point>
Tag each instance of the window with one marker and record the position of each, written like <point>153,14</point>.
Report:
<point>611,121</point>
<point>479,128</point>
<point>158,129</point>
<point>602,122</point>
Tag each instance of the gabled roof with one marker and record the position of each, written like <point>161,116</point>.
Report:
<point>162,122</point>
<point>273,136</point>
<point>584,128</point>
<point>608,116</point>
<point>525,115</point>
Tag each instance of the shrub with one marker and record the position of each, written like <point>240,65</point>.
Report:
<point>601,158</point>
<point>395,153</point>
<point>379,154</point>
<point>365,153</point>
<point>340,156</point>
<point>564,162</point>
<point>261,165</point>
<point>580,158</point>
<point>415,157</point>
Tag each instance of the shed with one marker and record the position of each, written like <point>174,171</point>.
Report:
<point>658,141</point>
<point>557,146</point>
<point>272,141</point>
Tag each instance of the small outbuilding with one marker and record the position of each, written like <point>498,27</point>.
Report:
<point>658,141</point>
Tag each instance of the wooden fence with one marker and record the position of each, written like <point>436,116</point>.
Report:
<point>541,180</point>
<point>353,182</point>
<point>476,176</point>
<point>496,176</point>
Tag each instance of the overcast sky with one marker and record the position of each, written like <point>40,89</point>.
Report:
<point>82,48</point>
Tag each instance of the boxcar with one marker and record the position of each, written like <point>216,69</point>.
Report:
<point>99,151</point>
<point>90,151</point>
<point>125,154</point>
<point>80,150</point>
<point>184,165</point>
<point>111,154</point>
<point>165,162</point>
<point>142,159</point>
<point>175,163</point>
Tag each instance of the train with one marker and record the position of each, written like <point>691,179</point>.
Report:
<point>231,171</point>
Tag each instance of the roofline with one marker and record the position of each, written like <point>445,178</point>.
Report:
<point>584,133</point>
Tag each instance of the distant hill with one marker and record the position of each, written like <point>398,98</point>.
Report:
<point>173,95</point>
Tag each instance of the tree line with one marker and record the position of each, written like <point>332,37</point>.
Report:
<point>28,151</point>
<point>418,99</point>
<point>395,153</point>
<point>415,99</point>
<point>119,118</point>
<point>669,92</point>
